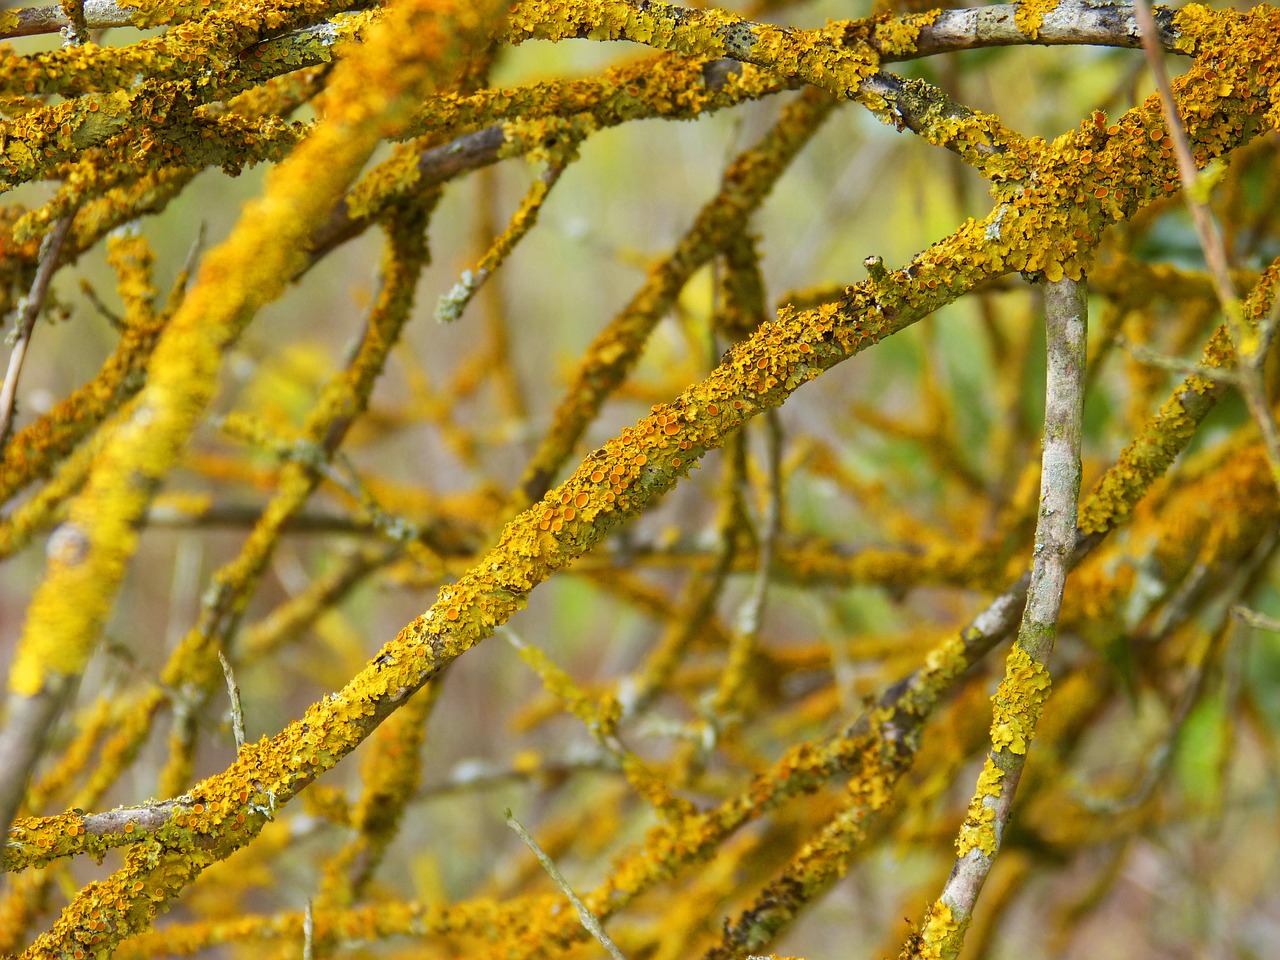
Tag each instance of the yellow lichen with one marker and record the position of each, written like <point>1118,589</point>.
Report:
<point>1018,702</point>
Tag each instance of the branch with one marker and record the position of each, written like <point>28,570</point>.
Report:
<point>1021,697</point>
<point>1071,22</point>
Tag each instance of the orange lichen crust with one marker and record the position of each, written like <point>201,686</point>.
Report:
<point>555,112</point>
<point>842,58</point>
<point>665,85</point>
<point>390,773</point>
<point>836,58</point>
<point>140,87</point>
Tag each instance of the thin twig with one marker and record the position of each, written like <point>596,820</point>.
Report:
<point>91,294</point>
<point>1160,760</point>
<point>1223,642</point>
<point>50,251</point>
<point>1022,693</point>
<point>476,774</point>
<point>1154,358</point>
<point>188,269</point>
<point>1255,619</point>
<point>451,304</point>
<point>589,921</point>
<point>1215,253</point>
<point>233,690</point>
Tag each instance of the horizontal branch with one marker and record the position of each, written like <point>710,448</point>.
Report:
<point>1070,23</point>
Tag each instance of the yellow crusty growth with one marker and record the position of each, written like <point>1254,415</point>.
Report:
<point>942,934</point>
<point>1018,701</point>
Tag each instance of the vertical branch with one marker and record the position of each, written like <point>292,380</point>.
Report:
<point>76,33</point>
<point>233,693</point>
<point>1025,688</point>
